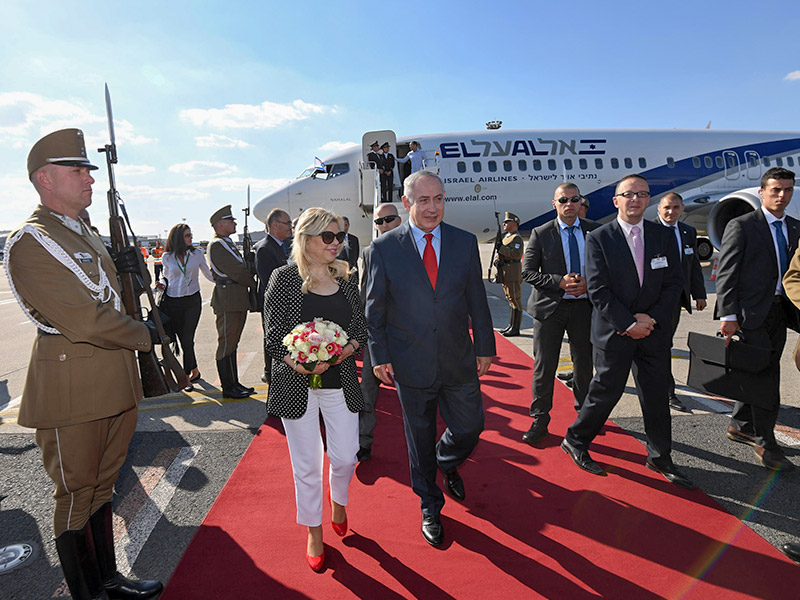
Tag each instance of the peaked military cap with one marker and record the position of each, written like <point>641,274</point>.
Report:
<point>511,217</point>
<point>64,147</point>
<point>222,213</point>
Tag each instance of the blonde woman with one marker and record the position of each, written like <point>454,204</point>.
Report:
<point>316,284</point>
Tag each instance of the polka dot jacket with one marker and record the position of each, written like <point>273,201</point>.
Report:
<point>288,390</point>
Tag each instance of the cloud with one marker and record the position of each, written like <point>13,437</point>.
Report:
<point>337,146</point>
<point>793,76</point>
<point>248,116</point>
<point>219,141</point>
<point>203,168</point>
<point>133,170</point>
<point>258,187</point>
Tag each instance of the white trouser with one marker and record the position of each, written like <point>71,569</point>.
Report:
<point>306,452</point>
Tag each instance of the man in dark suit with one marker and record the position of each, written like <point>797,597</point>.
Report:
<point>386,219</point>
<point>387,173</point>
<point>670,208</point>
<point>350,248</point>
<point>425,286</point>
<point>554,265</point>
<point>271,253</point>
<point>634,280</point>
<point>755,253</point>
<point>373,155</point>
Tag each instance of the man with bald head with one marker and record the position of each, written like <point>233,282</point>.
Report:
<point>670,208</point>
<point>554,265</point>
<point>385,219</point>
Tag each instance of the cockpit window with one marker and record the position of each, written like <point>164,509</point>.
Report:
<point>307,173</point>
<point>330,171</point>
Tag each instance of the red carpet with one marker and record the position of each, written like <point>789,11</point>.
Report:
<point>533,525</point>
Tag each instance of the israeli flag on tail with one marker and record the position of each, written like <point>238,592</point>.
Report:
<point>319,165</point>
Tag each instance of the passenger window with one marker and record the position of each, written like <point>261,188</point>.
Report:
<point>779,161</point>
<point>568,164</point>
<point>461,166</point>
<point>598,163</point>
<point>507,166</point>
<point>476,166</point>
<point>551,164</point>
<point>523,165</point>
<point>537,164</point>
<point>670,162</point>
<point>731,162</point>
<point>789,161</point>
<point>642,163</point>
<point>708,162</point>
<point>719,162</point>
<point>696,162</point>
<point>628,163</point>
<point>582,164</point>
<point>766,161</point>
<point>492,166</point>
<point>614,163</point>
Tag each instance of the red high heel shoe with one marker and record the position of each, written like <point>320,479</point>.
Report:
<point>316,562</point>
<point>339,528</point>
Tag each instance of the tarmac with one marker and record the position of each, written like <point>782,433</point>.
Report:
<point>187,444</point>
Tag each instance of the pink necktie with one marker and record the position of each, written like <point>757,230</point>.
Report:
<point>429,260</point>
<point>638,252</point>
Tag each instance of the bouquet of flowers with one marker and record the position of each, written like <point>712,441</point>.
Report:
<point>314,342</point>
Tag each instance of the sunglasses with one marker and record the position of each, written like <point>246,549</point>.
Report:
<point>328,236</point>
<point>564,200</point>
<point>389,219</point>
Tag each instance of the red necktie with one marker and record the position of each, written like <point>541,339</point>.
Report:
<point>429,260</point>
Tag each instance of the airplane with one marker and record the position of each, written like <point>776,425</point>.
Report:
<point>488,172</point>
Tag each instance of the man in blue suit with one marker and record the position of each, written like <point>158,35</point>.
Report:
<point>425,286</point>
<point>634,279</point>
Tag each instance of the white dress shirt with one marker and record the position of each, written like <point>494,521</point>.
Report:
<point>182,280</point>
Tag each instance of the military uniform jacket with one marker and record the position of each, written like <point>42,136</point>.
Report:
<point>511,250</point>
<point>87,371</point>
<point>231,277</point>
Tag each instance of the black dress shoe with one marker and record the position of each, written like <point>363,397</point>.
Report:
<point>122,588</point>
<point>671,474</point>
<point>536,433</point>
<point>566,375</point>
<point>736,435</point>
<point>582,459</point>
<point>774,460</point>
<point>264,378</point>
<point>792,551</point>
<point>676,404</point>
<point>363,454</point>
<point>432,530</point>
<point>454,485</point>
<point>235,393</point>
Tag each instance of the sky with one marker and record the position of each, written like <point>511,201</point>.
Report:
<point>210,97</point>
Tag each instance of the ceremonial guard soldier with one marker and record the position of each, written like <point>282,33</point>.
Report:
<point>83,386</point>
<point>230,300</point>
<point>508,262</point>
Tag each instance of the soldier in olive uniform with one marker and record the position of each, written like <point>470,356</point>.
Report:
<point>83,387</point>
<point>230,300</point>
<point>510,253</point>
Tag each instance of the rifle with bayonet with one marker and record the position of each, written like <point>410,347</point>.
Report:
<point>158,377</point>
<point>249,256</point>
<point>497,261</point>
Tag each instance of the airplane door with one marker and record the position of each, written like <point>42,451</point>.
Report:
<point>732,167</point>
<point>753,161</point>
<point>369,190</point>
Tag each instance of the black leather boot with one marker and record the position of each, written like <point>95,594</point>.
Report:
<point>516,320</point>
<point>229,389</point>
<point>116,586</point>
<point>78,559</point>
<point>510,323</point>
<point>235,371</point>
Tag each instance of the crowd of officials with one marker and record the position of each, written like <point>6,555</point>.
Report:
<point>418,316</point>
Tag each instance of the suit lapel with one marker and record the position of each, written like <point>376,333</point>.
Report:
<point>766,238</point>
<point>414,260</point>
<point>558,246</point>
<point>794,235</point>
<point>625,250</point>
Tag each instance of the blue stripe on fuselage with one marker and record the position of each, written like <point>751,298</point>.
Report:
<point>663,179</point>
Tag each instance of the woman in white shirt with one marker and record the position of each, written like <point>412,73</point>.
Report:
<point>182,264</point>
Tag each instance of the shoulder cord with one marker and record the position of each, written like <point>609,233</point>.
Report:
<point>211,262</point>
<point>101,291</point>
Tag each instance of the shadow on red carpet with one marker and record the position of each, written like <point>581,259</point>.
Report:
<point>532,526</point>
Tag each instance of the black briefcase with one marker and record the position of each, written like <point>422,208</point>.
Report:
<point>738,372</point>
